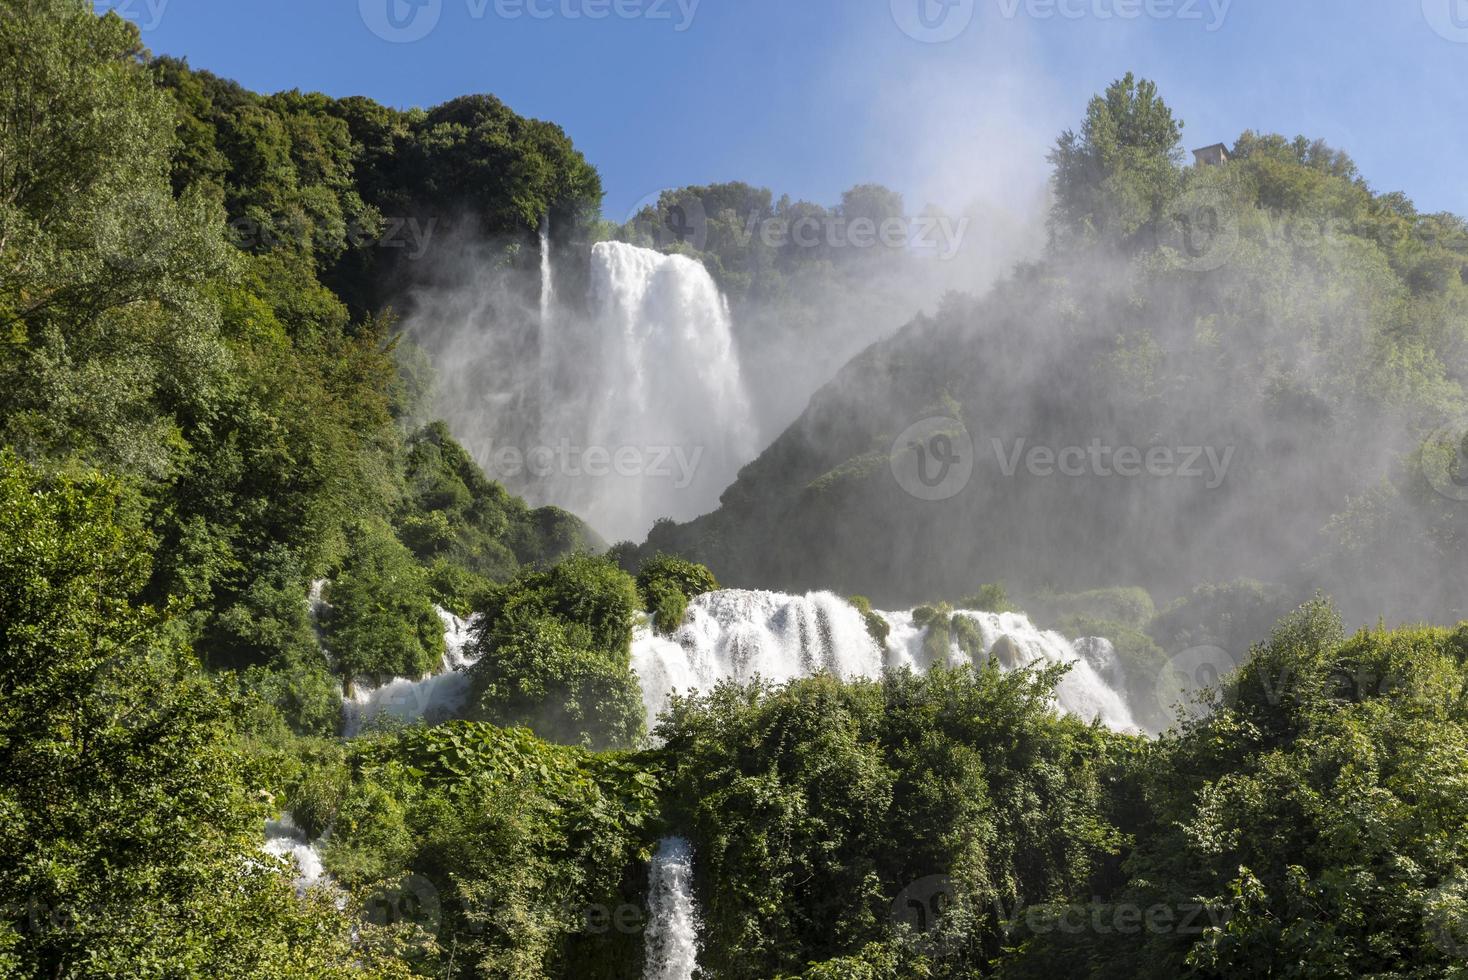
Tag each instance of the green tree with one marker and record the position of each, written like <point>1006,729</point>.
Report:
<point>555,654</point>
<point>122,794</point>
<point>1113,178</point>
<point>667,583</point>
<point>381,622</point>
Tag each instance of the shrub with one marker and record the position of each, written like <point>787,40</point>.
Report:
<point>876,625</point>
<point>555,654</point>
<point>381,621</point>
<point>667,583</point>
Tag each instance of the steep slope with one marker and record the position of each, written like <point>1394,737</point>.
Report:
<point>1241,388</point>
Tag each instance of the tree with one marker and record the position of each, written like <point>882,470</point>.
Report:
<point>555,654</point>
<point>1113,178</point>
<point>667,583</point>
<point>381,622</point>
<point>123,805</point>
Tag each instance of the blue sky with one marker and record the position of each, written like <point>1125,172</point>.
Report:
<point>809,97</point>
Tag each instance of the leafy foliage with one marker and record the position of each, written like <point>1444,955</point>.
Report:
<point>815,805</point>
<point>380,621</point>
<point>555,654</point>
<point>666,583</point>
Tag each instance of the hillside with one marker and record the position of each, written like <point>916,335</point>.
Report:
<point>1286,340</point>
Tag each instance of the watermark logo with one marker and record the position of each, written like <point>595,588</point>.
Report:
<point>933,21</point>
<point>401,21</point>
<point>1445,916</point>
<point>1098,459</point>
<point>1210,13</point>
<point>676,464</point>
<point>1449,18</point>
<point>1191,671</point>
<point>133,235</point>
<point>921,907</point>
<point>1445,461</point>
<point>678,12</point>
<point>932,234</point>
<point>933,459</point>
<point>1202,227</point>
<point>409,235</point>
<point>146,14</point>
<point>412,900</point>
<point>683,223</point>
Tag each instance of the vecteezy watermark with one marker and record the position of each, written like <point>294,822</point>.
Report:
<point>406,21</point>
<point>412,900</point>
<point>936,21</point>
<point>1211,13</point>
<point>681,222</point>
<point>1445,914</point>
<point>1449,18</point>
<point>146,14</point>
<point>933,21</point>
<point>678,464</point>
<point>1202,227</point>
<point>933,459</point>
<point>1190,672</point>
<point>921,907</point>
<point>679,12</point>
<point>1096,458</point>
<point>400,21</point>
<point>1116,918</point>
<point>1445,460</point>
<point>935,233</point>
<point>410,234</point>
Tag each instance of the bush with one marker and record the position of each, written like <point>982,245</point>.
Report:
<point>1233,616</point>
<point>1131,607</point>
<point>555,654</point>
<point>667,584</point>
<point>989,598</point>
<point>542,674</point>
<point>876,625</point>
<point>381,622</point>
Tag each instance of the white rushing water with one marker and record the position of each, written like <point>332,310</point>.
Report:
<point>671,951</point>
<point>547,341</point>
<point>669,394</point>
<point>738,635</point>
<point>622,404</point>
<point>283,839</point>
<point>433,699</point>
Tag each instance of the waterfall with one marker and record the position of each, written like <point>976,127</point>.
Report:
<point>283,839</point>
<point>661,361</point>
<point>622,409</point>
<point>672,929</point>
<point>737,635</point>
<point>547,303</point>
<point>434,699</point>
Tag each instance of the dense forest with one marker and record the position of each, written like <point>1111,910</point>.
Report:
<point>227,509</point>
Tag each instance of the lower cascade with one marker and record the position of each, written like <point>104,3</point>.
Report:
<point>283,839</point>
<point>437,698</point>
<point>738,635</point>
<point>672,928</point>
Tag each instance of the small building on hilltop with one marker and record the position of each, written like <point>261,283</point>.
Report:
<point>1212,156</point>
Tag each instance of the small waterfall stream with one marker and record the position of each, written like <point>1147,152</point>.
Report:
<point>436,698</point>
<point>672,926</point>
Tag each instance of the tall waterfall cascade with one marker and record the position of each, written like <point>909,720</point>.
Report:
<point>622,409</point>
<point>738,635</point>
<point>671,950</point>
<point>669,395</point>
